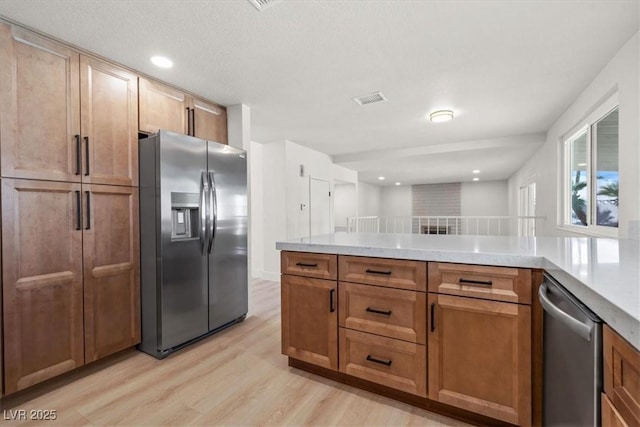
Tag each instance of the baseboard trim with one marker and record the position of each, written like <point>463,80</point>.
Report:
<point>420,402</point>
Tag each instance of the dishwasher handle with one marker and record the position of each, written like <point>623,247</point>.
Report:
<point>584,330</point>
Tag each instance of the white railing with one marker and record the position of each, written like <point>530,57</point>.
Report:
<point>458,225</point>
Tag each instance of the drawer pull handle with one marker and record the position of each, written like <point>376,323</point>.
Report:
<point>386,273</point>
<point>475,282</point>
<point>303,264</point>
<point>373,310</point>
<point>380,361</point>
<point>433,316</point>
<point>332,306</point>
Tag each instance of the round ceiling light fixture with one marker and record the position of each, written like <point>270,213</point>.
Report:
<point>441,116</point>
<point>476,179</point>
<point>161,61</point>
<point>476,171</point>
<point>381,178</point>
<point>397,183</point>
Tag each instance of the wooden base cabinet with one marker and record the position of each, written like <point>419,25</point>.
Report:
<point>310,320</point>
<point>621,378</point>
<point>55,317</point>
<point>480,356</point>
<point>111,270</point>
<point>397,364</point>
<point>42,280</point>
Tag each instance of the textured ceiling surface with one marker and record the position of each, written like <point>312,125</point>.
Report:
<point>507,68</point>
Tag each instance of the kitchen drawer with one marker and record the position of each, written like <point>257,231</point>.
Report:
<point>622,375</point>
<point>609,416</point>
<point>394,313</point>
<point>393,363</point>
<point>393,273</point>
<point>480,281</point>
<point>321,266</point>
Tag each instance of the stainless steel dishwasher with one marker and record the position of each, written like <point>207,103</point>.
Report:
<point>572,359</point>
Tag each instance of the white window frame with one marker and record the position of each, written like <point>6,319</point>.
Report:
<point>591,228</point>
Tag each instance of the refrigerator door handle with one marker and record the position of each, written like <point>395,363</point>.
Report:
<point>213,209</point>
<point>204,215</point>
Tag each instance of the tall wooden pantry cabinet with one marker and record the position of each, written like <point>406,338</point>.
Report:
<point>68,166</point>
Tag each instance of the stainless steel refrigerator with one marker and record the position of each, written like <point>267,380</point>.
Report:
<point>193,232</point>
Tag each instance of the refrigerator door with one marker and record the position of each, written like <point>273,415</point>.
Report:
<point>228,277</point>
<point>183,261</point>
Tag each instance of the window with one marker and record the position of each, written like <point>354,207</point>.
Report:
<point>592,175</point>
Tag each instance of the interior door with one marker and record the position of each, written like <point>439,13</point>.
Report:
<point>319,207</point>
<point>228,276</point>
<point>42,280</point>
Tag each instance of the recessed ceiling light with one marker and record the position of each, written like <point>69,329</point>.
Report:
<point>476,179</point>
<point>582,164</point>
<point>161,61</point>
<point>441,116</point>
<point>476,171</point>
<point>397,183</point>
<point>381,178</point>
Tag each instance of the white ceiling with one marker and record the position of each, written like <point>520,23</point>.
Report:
<point>507,68</point>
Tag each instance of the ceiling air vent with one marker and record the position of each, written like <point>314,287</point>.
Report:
<point>371,98</point>
<point>263,4</point>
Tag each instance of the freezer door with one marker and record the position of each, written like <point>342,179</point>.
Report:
<point>183,261</point>
<point>228,276</point>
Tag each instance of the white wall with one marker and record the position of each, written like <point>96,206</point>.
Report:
<point>622,73</point>
<point>344,204</point>
<point>396,201</point>
<point>369,198</point>
<point>488,198</point>
<point>284,191</point>
<point>256,218</point>
<point>317,165</point>
<point>274,219</point>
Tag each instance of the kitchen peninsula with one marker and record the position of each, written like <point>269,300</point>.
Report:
<point>453,323</point>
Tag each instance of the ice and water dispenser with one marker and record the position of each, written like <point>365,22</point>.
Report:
<point>185,211</point>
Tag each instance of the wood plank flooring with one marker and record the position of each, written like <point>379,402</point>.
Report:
<point>235,378</point>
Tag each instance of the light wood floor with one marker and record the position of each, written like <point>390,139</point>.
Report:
<point>237,377</point>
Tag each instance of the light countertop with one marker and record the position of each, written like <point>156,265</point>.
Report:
<point>603,273</point>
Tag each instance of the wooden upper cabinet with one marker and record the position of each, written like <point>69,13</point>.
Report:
<point>209,121</point>
<point>621,376</point>
<point>111,270</point>
<point>162,107</point>
<point>39,107</point>
<point>310,320</point>
<point>480,356</point>
<point>109,107</point>
<point>42,281</point>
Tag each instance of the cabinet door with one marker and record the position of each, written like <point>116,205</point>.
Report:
<point>622,375</point>
<point>162,107</point>
<point>209,121</point>
<point>42,281</point>
<point>310,320</point>
<point>111,270</point>
<point>109,106</point>
<point>39,107</point>
<point>480,356</point>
